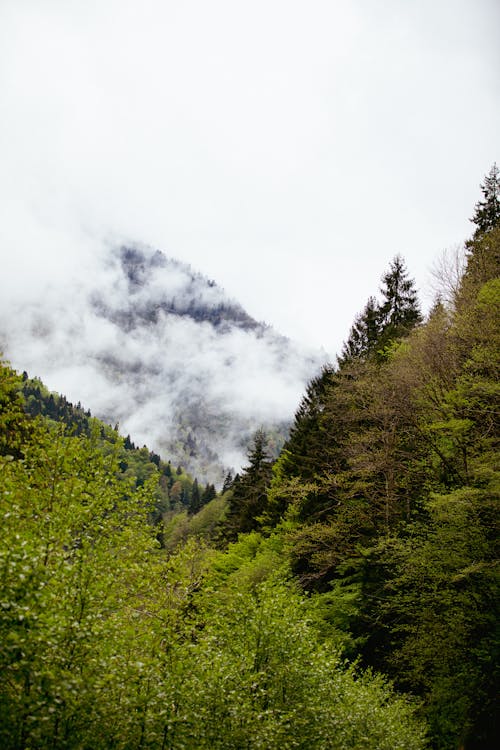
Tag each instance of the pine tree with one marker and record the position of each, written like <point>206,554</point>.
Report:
<point>209,493</point>
<point>301,448</point>
<point>249,496</point>
<point>377,325</point>
<point>400,310</point>
<point>195,502</point>
<point>228,482</point>
<point>363,335</point>
<point>487,213</point>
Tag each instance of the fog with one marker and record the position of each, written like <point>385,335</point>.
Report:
<point>288,149</point>
<point>149,343</point>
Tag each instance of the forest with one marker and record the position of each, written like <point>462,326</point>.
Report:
<point>342,596</point>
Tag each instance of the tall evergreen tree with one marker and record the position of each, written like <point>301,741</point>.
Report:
<point>249,495</point>
<point>195,502</point>
<point>209,493</point>
<point>302,449</point>
<point>487,214</point>
<point>363,335</point>
<point>377,325</point>
<point>228,482</point>
<point>400,310</point>
<point>483,249</point>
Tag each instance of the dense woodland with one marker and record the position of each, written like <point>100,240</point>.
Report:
<point>343,595</point>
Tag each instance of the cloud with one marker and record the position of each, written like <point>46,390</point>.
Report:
<point>287,149</point>
<point>151,344</point>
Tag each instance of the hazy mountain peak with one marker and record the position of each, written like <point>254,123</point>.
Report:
<point>157,286</point>
<point>148,342</point>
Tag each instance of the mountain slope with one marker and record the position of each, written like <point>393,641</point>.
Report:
<point>147,342</point>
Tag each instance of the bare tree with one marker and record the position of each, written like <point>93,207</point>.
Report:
<point>447,272</point>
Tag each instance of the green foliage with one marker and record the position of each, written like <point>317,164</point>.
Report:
<point>442,600</point>
<point>300,453</point>
<point>400,310</point>
<point>14,428</point>
<point>373,537</point>
<point>106,642</point>
<point>364,333</point>
<point>139,465</point>
<point>206,524</point>
<point>248,497</point>
<point>284,689</point>
<point>374,329</point>
<point>72,547</point>
<point>388,485</point>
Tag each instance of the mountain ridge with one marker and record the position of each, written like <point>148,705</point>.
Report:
<point>139,268</point>
<point>147,342</point>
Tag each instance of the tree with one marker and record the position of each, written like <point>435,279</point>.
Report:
<point>285,689</point>
<point>483,264</point>
<point>209,493</point>
<point>487,211</point>
<point>364,334</point>
<point>303,447</point>
<point>195,502</point>
<point>447,273</point>
<point>305,454</point>
<point>74,532</point>
<point>15,427</point>
<point>400,311</point>
<point>228,482</point>
<point>440,606</point>
<point>377,325</point>
<point>249,495</point>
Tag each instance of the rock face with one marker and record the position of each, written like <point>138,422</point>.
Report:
<point>149,343</point>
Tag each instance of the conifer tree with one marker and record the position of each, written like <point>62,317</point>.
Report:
<point>228,482</point>
<point>363,335</point>
<point>209,493</point>
<point>483,249</point>
<point>487,213</point>
<point>400,310</point>
<point>302,447</point>
<point>195,502</point>
<point>250,493</point>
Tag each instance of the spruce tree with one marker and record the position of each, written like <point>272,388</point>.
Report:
<point>363,335</point>
<point>483,249</point>
<point>228,482</point>
<point>249,495</point>
<point>304,446</point>
<point>209,493</point>
<point>400,310</point>
<point>195,502</point>
<point>487,213</point>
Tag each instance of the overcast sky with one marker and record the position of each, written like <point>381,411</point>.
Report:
<point>287,149</point>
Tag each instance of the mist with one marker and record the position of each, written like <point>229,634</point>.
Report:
<point>149,343</point>
<point>287,149</point>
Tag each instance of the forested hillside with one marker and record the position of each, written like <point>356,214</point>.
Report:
<point>343,596</point>
<point>386,493</point>
<point>107,641</point>
<point>174,488</point>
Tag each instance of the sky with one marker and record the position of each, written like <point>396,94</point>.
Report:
<point>286,149</point>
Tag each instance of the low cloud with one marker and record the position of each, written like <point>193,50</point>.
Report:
<point>147,342</point>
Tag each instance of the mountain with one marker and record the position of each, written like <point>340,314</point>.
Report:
<point>147,342</point>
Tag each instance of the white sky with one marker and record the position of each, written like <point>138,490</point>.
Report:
<point>287,149</point>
